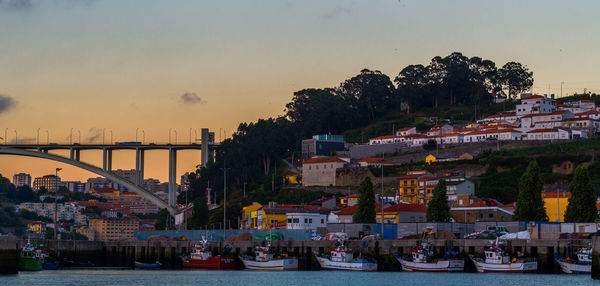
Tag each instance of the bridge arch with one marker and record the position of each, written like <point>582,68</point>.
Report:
<point>107,174</point>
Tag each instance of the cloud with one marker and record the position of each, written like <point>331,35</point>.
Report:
<point>16,5</point>
<point>28,5</point>
<point>22,140</point>
<point>6,103</point>
<point>335,12</point>
<point>93,134</point>
<point>192,98</point>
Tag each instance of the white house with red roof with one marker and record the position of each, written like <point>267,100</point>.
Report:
<point>493,134</point>
<point>321,171</point>
<point>593,114</point>
<point>440,129</point>
<point>406,131</point>
<point>529,121</point>
<point>548,134</point>
<point>387,139</point>
<point>374,162</point>
<point>448,138</point>
<point>535,104</point>
<point>508,117</point>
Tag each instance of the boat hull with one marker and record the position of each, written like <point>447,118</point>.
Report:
<point>156,265</point>
<point>216,262</point>
<point>326,263</point>
<point>516,267</point>
<point>574,268</point>
<point>29,264</point>
<point>450,265</point>
<point>275,264</point>
<point>50,265</point>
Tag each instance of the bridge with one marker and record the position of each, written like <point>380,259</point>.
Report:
<point>207,147</point>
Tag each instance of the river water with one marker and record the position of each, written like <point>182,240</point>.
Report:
<point>283,278</point>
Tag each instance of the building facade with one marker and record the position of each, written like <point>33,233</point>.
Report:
<point>22,179</point>
<point>114,228</point>
<point>321,171</point>
<point>49,182</point>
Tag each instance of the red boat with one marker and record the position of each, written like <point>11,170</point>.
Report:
<point>201,257</point>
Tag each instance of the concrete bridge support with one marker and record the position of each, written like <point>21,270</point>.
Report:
<point>172,177</point>
<point>139,166</point>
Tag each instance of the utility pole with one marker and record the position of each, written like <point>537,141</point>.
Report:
<point>56,208</point>
<point>244,189</point>
<point>224,197</point>
<point>381,197</point>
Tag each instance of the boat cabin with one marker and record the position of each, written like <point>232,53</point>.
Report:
<point>341,254</point>
<point>421,254</point>
<point>584,255</point>
<point>200,252</point>
<point>496,255</point>
<point>263,253</point>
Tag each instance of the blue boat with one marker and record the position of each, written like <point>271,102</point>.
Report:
<point>50,265</point>
<point>156,265</point>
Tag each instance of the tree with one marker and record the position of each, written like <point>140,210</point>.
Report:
<point>161,220</point>
<point>582,203</point>
<point>366,203</point>
<point>368,95</point>
<point>530,206</point>
<point>515,78</point>
<point>199,214</point>
<point>438,209</point>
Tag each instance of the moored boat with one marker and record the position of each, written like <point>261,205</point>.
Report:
<point>155,265</point>
<point>342,258</point>
<point>497,260</point>
<point>265,259</point>
<point>29,260</point>
<point>583,264</point>
<point>422,259</point>
<point>201,257</point>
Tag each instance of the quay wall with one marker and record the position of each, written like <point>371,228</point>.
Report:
<point>9,251</point>
<point>124,253</point>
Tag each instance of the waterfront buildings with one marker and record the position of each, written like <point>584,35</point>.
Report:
<point>22,179</point>
<point>114,228</point>
<point>49,182</point>
<point>65,211</point>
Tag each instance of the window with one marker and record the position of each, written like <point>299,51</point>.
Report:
<point>289,220</point>
<point>310,220</point>
<point>310,167</point>
<point>305,220</point>
<point>322,221</point>
<point>331,166</point>
<point>324,166</point>
<point>296,220</point>
<point>317,167</point>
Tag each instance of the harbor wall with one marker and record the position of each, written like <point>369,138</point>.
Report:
<point>124,253</point>
<point>9,251</point>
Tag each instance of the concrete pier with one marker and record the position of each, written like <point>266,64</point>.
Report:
<point>9,254</point>
<point>124,253</point>
<point>596,257</point>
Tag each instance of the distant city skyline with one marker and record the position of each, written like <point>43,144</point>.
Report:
<point>156,65</point>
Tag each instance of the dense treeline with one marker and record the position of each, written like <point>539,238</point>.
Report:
<point>252,154</point>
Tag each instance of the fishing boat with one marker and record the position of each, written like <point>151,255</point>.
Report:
<point>201,257</point>
<point>155,265</point>
<point>265,259</point>
<point>422,259</point>
<point>342,258</point>
<point>497,260</point>
<point>583,264</point>
<point>29,259</point>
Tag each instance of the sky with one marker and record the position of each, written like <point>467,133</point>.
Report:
<point>149,65</point>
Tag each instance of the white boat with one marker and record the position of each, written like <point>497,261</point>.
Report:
<point>583,264</point>
<point>423,260</point>
<point>341,258</point>
<point>265,259</point>
<point>497,260</point>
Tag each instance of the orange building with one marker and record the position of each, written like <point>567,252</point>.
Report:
<point>114,228</point>
<point>416,187</point>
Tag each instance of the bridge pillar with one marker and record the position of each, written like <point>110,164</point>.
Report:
<point>139,166</point>
<point>107,159</point>
<point>172,176</point>
<point>75,154</point>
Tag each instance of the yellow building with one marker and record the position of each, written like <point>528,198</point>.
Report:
<point>114,228</point>
<point>266,218</point>
<point>350,200</point>
<point>430,159</point>
<point>249,214</point>
<point>416,187</point>
<point>554,205</point>
<point>37,227</point>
